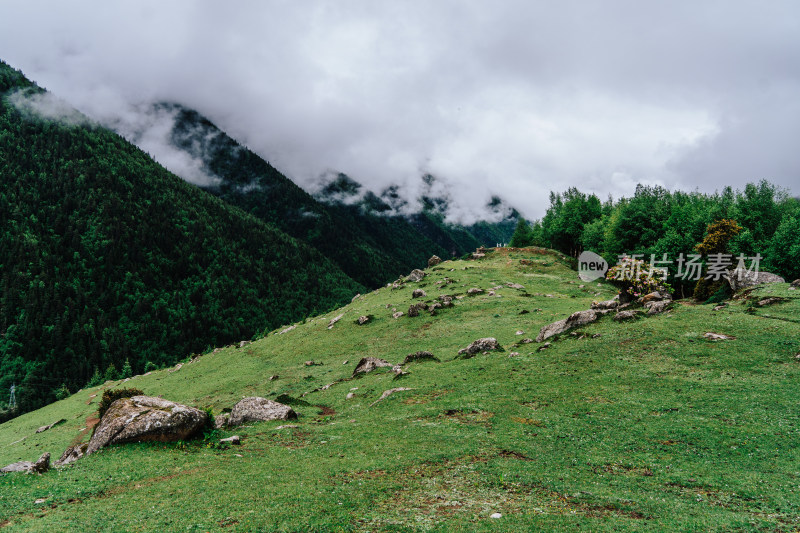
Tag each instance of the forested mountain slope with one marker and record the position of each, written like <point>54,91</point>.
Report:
<point>105,257</point>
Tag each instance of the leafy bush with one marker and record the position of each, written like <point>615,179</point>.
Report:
<point>110,396</point>
<point>635,278</point>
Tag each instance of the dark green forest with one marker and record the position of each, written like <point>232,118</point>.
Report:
<point>657,221</point>
<point>108,259</point>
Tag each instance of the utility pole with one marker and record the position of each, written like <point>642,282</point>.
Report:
<point>12,402</point>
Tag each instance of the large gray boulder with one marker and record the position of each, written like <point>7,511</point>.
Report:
<point>577,319</point>
<point>72,454</point>
<point>256,409</point>
<point>41,466</point>
<point>368,364</point>
<point>434,260</point>
<point>146,418</point>
<point>740,279</point>
<point>655,307</point>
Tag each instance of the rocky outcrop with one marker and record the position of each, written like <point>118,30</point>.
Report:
<point>580,318</point>
<point>72,454</point>
<point>434,260</point>
<point>256,409</point>
<point>608,304</point>
<point>414,309</point>
<point>334,320</point>
<point>146,418</point>
<point>416,275</point>
<point>486,344</point>
<point>655,307</point>
<point>447,300</point>
<point>740,279</point>
<point>362,320</point>
<point>50,426</point>
<point>474,291</point>
<point>418,293</point>
<point>41,466</point>
<point>795,284</point>
<point>397,315</point>
<point>368,364</point>
<point>625,315</point>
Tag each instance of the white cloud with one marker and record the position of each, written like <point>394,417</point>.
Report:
<point>513,97</point>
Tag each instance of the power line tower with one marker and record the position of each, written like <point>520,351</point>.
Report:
<point>12,402</point>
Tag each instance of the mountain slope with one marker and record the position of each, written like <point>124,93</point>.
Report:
<point>106,256</point>
<point>643,425</point>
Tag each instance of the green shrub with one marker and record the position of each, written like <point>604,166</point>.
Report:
<point>110,396</point>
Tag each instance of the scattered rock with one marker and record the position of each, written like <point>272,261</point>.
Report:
<point>574,320</point>
<point>221,420</point>
<point>356,297</point>
<point>496,515</point>
<point>286,330</point>
<point>515,286</point>
<point>543,347</point>
<point>72,454</point>
<point>625,315</point>
<point>720,307</point>
<point>363,320</point>
<point>273,377</point>
<point>242,344</point>
<point>477,255</point>
<point>481,345</point>
<point>524,312</point>
<point>769,301</point>
<point>398,284</point>
<point>526,341</point>
<point>235,440</point>
<point>41,466</point>
<point>718,336</point>
<point>334,320</point>
<point>655,307</point>
<point>418,293</point>
<point>256,409</point>
<point>350,396</point>
<point>434,260</point>
<point>596,336</point>
<point>654,296</point>
<point>175,368</point>
<point>368,364</point>
<point>447,300</point>
<point>311,363</point>
<point>416,275</point>
<point>740,279</point>
<point>146,418</point>
<point>513,354</point>
<point>419,356</point>
<point>608,304</point>
<point>287,426</point>
<point>388,393</point>
<point>397,314</point>
<point>414,309</point>
<point>45,428</point>
<point>795,284</point>
<point>520,332</point>
<point>473,291</point>
<point>491,293</point>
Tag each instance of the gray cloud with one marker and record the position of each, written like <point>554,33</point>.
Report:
<point>514,98</point>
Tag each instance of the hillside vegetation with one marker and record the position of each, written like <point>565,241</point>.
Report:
<point>107,258</point>
<point>636,426</point>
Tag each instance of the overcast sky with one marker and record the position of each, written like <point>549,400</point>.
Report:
<point>514,98</point>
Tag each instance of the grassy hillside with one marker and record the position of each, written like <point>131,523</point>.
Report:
<point>107,257</point>
<point>646,427</point>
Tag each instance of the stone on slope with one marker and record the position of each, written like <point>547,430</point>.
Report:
<point>418,293</point>
<point>718,336</point>
<point>362,320</point>
<point>434,260</point>
<point>485,344</point>
<point>50,426</point>
<point>39,467</point>
<point>625,315</point>
<point>146,418</point>
<point>740,279</point>
<point>334,320</point>
<point>72,454</point>
<point>257,409</point>
<point>473,291</point>
<point>579,318</point>
<point>368,364</point>
<point>388,393</point>
<point>655,307</point>
<point>416,275</point>
<point>608,304</point>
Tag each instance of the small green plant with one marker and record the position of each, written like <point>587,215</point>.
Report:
<point>62,392</point>
<point>636,278</point>
<point>110,396</point>
<point>127,371</point>
<point>149,366</point>
<point>96,379</point>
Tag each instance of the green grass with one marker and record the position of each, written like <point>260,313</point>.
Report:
<point>649,427</point>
